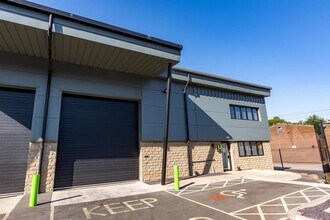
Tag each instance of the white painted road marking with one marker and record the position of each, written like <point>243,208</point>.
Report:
<point>201,218</point>
<point>283,203</point>
<point>210,186</point>
<point>237,193</point>
<point>119,207</point>
<point>207,206</point>
<point>261,213</point>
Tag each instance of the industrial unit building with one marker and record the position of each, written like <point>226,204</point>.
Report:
<point>89,101</point>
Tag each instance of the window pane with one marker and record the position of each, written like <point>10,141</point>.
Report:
<point>255,114</point>
<point>243,111</point>
<point>254,148</point>
<point>260,149</point>
<point>241,149</point>
<point>237,112</point>
<point>249,114</point>
<point>232,112</point>
<point>247,148</point>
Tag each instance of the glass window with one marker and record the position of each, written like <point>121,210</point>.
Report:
<point>250,148</point>
<point>243,111</point>
<point>247,148</point>
<point>237,112</point>
<point>241,149</point>
<point>255,114</point>
<point>232,112</point>
<point>260,149</point>
<point>249,113</point>
<point>254,148</point>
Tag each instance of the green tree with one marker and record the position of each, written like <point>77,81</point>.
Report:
<point>276,120</point>
<point>314,120</point>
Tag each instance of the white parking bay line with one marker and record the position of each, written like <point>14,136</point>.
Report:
<point>219,187</point>
<point>5,217</point>
<point>210,207</point>
<point>260,213</point>
<point>321,190</point>
<point>52,213</point>
<point>236,212</point>
<point>302,193</point>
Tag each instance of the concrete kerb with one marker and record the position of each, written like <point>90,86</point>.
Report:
<point>294,214</point>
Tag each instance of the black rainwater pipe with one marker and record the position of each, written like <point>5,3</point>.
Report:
<point>167,119</point>
<point>185,98</point>
<point>49,80</point>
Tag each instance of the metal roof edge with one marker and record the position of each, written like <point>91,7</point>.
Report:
<point>213,76</point>
<point>90,22</point>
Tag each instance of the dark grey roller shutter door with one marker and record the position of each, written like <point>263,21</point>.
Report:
<point>98,141</point>
<point>16,110</point>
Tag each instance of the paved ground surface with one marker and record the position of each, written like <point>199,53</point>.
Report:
<point>127,188</point>
<point>316,209</point>
<point>308,172</point>
<point>22,210</point>
<point>252,174</point>
<point>318,212</point>
<point>237,198</point>
<point>301,166</point>
<point>7,203</point>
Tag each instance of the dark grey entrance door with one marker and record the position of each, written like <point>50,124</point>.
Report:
<point>226,158</point>
<point>16,110</point>
<point>98,141</point>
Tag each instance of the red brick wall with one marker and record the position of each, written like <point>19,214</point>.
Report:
<point>302,136</point>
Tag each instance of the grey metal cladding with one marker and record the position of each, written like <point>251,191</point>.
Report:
<point>218,82</point>
<point>208,107</point>
<point>208,114</point>
<point>16,109</point>
<point>223,94</point>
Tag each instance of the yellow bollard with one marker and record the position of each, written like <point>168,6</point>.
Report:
<point>176,178</point>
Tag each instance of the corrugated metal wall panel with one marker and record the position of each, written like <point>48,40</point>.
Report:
<point>98,141</point>
<point>197,90</point>
<point>16,110</point>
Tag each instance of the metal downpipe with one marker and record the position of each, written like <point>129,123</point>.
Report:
<point>49,80</point>
<point>167,118</point>
<point>185,100</point>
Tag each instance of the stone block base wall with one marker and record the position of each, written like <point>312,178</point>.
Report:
<point>205,159</point>
<point>48,166</point>
<point>264,162</point>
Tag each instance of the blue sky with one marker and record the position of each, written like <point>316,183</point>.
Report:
<point>284,44</point>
